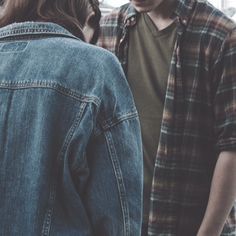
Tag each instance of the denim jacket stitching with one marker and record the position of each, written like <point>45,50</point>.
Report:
<point>120,183</point>
<point>50,85</point>
<point>109,123</point>
<point>42,28</point>
<point>49,212</point>
<point>103,126</point>
<point>4,36</point>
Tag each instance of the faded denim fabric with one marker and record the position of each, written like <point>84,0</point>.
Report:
<point>70,145</point>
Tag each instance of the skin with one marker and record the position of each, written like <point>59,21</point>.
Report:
<point>158,10</point>
<point>223,186</point>
<point>89,31</point>
<point>146,5</point>
<point>222,195</point>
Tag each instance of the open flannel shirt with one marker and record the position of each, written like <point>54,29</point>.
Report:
<point>199,118</point>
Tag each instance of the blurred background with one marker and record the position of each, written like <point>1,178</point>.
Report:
<point>227,6</point>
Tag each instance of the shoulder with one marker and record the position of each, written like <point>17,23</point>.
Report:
<point>112,27</point>
<point>92,71</point>
<point>96,60</point>
<point>75,49</point>
<point>211,20</point>
<point>82,61</point>
<point>117,15</point>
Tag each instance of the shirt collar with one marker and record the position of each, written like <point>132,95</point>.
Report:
<point>182,12</point>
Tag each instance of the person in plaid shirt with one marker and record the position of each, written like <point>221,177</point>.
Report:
<point>180,60</point>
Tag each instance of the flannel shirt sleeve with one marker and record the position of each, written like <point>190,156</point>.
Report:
<point>225,95</point>
<point>104,32</point>
<point>108,32</point>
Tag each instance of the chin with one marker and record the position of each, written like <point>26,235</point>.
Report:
<point>142,9</point>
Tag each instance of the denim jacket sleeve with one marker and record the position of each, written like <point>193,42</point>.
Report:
<point>112,193</point>
<point>114,199</point>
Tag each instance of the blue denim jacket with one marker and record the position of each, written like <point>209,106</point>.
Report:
<point>70,145</point>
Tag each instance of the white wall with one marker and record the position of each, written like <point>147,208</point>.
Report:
<point>117,3</point>
<point>216,3</point>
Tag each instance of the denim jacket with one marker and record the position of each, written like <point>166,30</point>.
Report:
<point>70,145</point>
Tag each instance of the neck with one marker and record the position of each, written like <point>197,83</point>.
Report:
<point>161,16</point>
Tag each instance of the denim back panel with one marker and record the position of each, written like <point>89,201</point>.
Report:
<point>39,114</point>
<point>58,104</point>
<point>36,126</point>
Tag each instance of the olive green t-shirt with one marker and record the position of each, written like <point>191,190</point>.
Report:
<point>149,58</point>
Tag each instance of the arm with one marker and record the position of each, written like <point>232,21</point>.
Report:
<point>223,185</point>
<point>222,195</point>
<point>114,191</point>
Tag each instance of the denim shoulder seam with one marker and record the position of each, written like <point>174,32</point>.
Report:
<point>109,123</point>
<point>50,85</point>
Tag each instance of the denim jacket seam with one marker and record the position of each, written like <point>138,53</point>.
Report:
<point>30,37</point>
<point>41,28</point>
<point>73,129</point>
<point>119,181</point>
<point>7,36</point>
<point>109,123</point>
<point>49,213</point>
<point>51,85</point>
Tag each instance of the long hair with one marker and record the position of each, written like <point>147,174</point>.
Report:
<point>70,14</point>
<point>94,20</point>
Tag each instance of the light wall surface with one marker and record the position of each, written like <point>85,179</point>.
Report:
<point>217,3</point>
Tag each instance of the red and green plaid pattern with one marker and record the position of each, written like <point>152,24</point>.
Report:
<point>199,119</point>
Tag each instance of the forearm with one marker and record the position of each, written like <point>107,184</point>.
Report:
<point>222,195</point>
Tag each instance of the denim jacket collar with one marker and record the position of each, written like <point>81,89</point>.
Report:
<point>34,28</point>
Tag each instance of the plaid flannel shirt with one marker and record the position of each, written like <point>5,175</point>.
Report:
<point>199,118</point>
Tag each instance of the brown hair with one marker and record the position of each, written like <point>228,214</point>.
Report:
<point>70,14</point>
<point>95,19</point>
